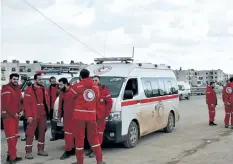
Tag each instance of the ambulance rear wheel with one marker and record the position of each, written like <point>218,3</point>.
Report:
<point>133,136</point>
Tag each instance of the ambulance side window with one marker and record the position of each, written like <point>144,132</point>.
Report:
<point>132,85</point>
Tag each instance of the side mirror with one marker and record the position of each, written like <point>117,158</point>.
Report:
<point>128,94</point>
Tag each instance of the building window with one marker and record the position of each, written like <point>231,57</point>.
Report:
<point>29,70</point>
<point>3,78</point>
<point>3,69</point>
<point>13,69</point>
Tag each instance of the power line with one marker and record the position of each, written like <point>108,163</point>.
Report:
<point>62,28</point>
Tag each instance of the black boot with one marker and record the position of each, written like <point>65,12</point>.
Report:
<point>231,126</point>
<point>211,123</point>
<point>226,126</point>
<point>214,124</point>
<point>65,155</point>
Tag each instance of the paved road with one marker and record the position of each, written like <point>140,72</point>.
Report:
<point>192,142</point>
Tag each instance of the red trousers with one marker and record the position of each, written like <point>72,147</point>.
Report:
<point>69,138</point>
<point>211,112</point>
<point>31,128</point>
<point>101,126</point>
<point>92,136</point>
<point>11,126</point>
<point>228,114</point>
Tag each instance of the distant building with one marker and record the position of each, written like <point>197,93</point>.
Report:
<point>202,77</point>
<point>26,70</point>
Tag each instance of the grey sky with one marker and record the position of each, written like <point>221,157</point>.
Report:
<point>190,34</point>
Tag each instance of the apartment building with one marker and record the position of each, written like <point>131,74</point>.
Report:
<point>201,77</point>
<point>28,69</point>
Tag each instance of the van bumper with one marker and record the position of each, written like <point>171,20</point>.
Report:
<point>113,131</point>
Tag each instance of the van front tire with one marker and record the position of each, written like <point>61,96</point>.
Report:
<point>133,136</point>
<point>170,123</point>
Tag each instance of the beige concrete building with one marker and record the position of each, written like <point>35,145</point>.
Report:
<point>201,77</point>
<point>28,69</point>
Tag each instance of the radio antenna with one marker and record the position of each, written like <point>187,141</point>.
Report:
<point>133,53</point>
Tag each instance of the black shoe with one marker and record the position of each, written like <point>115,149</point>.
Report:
<point>12,162</point>
<point>16,159</point>
<point>52,139</point>
<point>8,158</point>
<point>88,152</point>
<point>226,126</point>
<point>231,127</point>
<point>23,139</point>
<point>73,151</point>
<point>210,123</point>
<point>214,124</point>
<point>92,155</point>
<point>65,155</point>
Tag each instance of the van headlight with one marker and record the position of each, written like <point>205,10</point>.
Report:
<point>114,116</point>
<point>55,114</point>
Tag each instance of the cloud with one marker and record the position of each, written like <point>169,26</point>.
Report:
<point>179,33</point>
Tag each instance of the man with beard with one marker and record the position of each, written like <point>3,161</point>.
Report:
<point>52,92</point>
<point>36,103</point>
<point>25,123</point>
<point>103,111</point>
<point>11,113</point>
<point>65,110</point>
<point>211,101</point>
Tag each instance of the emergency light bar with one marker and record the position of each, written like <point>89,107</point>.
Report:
<point>101,60</point>
<point>55,71</point>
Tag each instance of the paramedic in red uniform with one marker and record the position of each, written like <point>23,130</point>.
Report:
<point>103,111</point>
<point>86,94</point>
<point>36,103</point>
<point>211,100</point>
<point>11,113</point>
<point>227,97</point>
<point>52,92</point>
<point>65,110</point>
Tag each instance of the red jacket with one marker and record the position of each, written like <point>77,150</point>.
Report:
<point>11,100</point>
<point>66,105</point>
<point>227,93</point>
<point>86,94</point>
<point>52,92</point>
<point>105,102</point>
<point>211,97</point>
<point>35,102</point>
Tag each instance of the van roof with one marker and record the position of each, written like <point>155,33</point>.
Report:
<point>119,69</point>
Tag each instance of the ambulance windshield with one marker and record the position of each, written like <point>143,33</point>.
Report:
<point>114,84</point>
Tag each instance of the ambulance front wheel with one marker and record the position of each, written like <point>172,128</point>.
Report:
<point>133,136</point>
<point>170,123</point>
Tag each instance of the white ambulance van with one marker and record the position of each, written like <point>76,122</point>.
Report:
<point>145,98</point>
